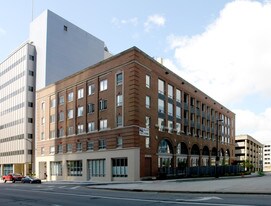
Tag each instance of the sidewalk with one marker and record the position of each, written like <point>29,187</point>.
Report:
<point>251,184</point>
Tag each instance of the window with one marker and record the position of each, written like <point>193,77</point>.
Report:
<point>161,106</point>
<point>70,113</point>
<point>161,86</point>
<point>90,145</point>
<point>119,142</point>
<point>97,167</point>
<point>80,111</point>
<point>70,97</point>
<point>74,168</point>
<point>103,104</point>
<point>30,88</point>
<point>52,149</point>
<point>148,122</point>
<point>61,100</point>
<point>119,79</point>
<point>31,57</point>
<point>178,112</point>
<point>52,118</point>
<point>178,95</point>
<point>120,167</point>
<point>53,103</point>
<point>30,104</point>
<point>90,108</point>
<point>61,132</point>
<point>119,121</point>
<point>65,28</point>
<point>170,126</point>
<point>70,130</point>
<point>42,136</point>
<point>56,168</point>
<point>103,85</point>
<point>42,150</point>
<point>178,128</point>
<point>59,148</point>
<point>52,134</point>
<point>170,91</point>
<point>91,89</point>
<point>61,116</point>
<point>80,93</point>
<point>79,147</point>
<point>30,73</point>
<point>80,128</point>
<point>91,126</point>
<point>161,124</point>
<point>147,142</point>
<point>102,144</point>
<point>170,109</point>
<point>42,106</point>
<point>30,120</point>
<point>69,147</point>
<point>119,100</point>
<point>103,124</point>
<point>42,120</point>
<point>148,81</point>
<point>148,102</point>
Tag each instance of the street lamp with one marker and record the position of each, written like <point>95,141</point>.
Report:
<point>217,149</point>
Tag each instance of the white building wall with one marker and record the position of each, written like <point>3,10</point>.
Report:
<point>62,48</point>
<point>14,96</point>
<point>132,155</point>
<point>267,158</point>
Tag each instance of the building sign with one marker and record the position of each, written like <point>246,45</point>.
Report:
<point>144,131</point>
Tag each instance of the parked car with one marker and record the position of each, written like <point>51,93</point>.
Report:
<point>12,177</point>
<point>29,179</point>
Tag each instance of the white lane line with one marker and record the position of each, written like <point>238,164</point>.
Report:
<point>73,188</point>
<point>131,199</point>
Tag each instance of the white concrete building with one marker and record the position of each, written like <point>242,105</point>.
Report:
<point>249,149</point>
<point>267,158</point>
<point>62,48</point>
<point>56,48</point>
<point>17,97</point>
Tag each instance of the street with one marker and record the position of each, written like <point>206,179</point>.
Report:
<point>70,195</point>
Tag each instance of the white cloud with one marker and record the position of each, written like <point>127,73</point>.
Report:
<point>119,22</point>
<point>231,61</point>
<point>154,21</point>
<point>256,125</point>
<point>232,55</point>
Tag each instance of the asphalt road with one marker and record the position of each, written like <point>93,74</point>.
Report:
<point>18,194</point>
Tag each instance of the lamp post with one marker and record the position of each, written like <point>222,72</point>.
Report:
<point>217,149</point>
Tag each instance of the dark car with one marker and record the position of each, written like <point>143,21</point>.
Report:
<point>29,179</point>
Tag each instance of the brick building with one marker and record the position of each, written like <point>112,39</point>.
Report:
<point>126,118</point>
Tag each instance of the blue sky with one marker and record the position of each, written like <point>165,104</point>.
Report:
<point>222,47</point>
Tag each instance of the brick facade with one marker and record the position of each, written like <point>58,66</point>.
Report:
<point>194,142</point>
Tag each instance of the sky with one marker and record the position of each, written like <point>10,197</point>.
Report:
<point>222,47</point>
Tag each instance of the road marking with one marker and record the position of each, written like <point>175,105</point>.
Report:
<point>130,199</point>
<point>73,188</point>
<point>200,199</point>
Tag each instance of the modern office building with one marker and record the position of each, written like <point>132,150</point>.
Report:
<point>55,49</point>
<point>249,149</point>
<point>267,158</point>
<point>17,100</point>
<point>126,118</point>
